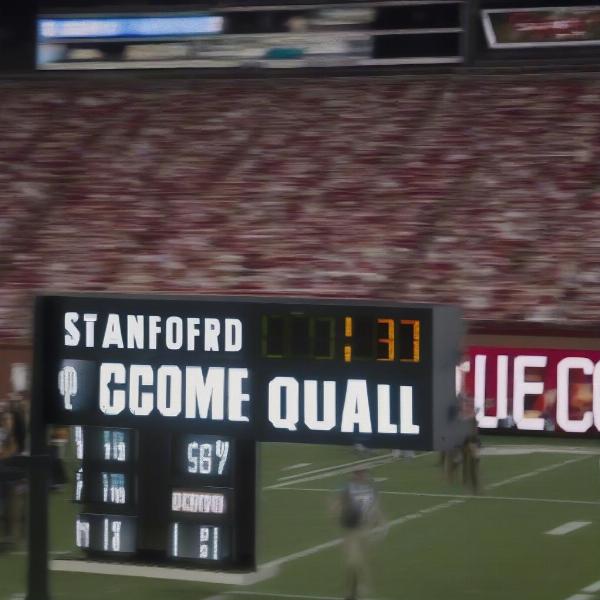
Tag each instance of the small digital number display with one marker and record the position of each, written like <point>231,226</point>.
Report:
<point>106,533</point>
<point>102,487</point>
<point>199,502</point>
<point>199,542</point>
<point>206,455</point>
<point>97,443</point>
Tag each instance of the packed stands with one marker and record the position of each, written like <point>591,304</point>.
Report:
<point>474,189</point>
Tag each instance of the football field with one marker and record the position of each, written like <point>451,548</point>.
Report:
<point>533,532</point>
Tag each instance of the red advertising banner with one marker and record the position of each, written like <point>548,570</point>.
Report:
<point>533,389</point>
<point>542,27</point>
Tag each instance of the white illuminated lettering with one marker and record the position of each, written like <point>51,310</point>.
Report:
<point>202,394</point>
<point>233,335</point>
<point>193,331</point>
<point>116,536</point>
<point>135,332</point>
<point>406,411</point>
<point>168,390</point>
<point>502,387</point>
<point>175,539</point>
<point>212,329</point>
<point>276,388</point>
<point>356,407</point>
<point>384,424</point>
<point>140,404</point>
<point>205,462</point>
<point>82,533</point>
<point>193,453</point>
<point>596,395</point>
<point>479,396</point>
<point>174,333</point>
<point>90,331</point>
<point>235,396</point>
<point>153,330</point>
<point>176,502</point>
<point>112,402</point>
<point>72,335</point>
<point>311,405</point>
<point>563,419</point>
<point>112,333</point>
<point>79,447</point>
<point>522,388</point>
<point>461,371</point>
<point>222,452</point>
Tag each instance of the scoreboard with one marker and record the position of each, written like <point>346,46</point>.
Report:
<point>167,397</point>
<point>164,498</point>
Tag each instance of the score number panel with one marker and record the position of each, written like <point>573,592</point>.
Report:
<point>187,501</point>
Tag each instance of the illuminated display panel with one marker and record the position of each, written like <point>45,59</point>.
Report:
<point>205,502</point>
<point>199,542</point>
<point>112,534</point>
<point>372,338</point>
<point>103,487</point>
<point>202,456</point>
<point>103,444</point>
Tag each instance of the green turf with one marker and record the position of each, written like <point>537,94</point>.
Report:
<point>452,546</point>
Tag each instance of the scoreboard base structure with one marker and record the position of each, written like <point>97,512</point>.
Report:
<point>156,572</point>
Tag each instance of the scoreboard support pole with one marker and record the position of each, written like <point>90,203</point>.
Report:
<point>39,467</point>
<point>37,573</point>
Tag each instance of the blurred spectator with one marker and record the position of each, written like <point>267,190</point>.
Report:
<point>471,452</point>
<point>12,478</point>
<point>436,189</point>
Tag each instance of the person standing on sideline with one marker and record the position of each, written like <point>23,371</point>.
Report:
<point>360,517</point>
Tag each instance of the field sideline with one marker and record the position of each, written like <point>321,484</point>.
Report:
<point>532,534</point>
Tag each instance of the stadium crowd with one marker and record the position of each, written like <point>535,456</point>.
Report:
<point>479,190</point>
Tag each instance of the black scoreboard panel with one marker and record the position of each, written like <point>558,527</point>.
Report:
<point>164,497</point>
<point>258,369</point>
<point>167,398</point>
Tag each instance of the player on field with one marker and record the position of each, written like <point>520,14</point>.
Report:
<point>360,517</point>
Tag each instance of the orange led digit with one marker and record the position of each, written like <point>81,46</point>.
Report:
<point>390,340</point>
<point>416,345</point>
<point>348,334</point>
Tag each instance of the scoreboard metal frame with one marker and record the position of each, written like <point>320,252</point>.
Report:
<point>157,378</point>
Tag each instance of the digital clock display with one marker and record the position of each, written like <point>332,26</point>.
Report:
<point>199,542</point>
<point>348,338</point>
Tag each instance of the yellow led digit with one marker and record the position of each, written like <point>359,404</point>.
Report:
<point>416,340</point>
<point>348,334</point>
<point>389,341</point>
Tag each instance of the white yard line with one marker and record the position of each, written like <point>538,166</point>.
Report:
<point>568,527</point>
<point>340,466</point>
<point>580,597</point>
<point>339,471</point>
<point>551,467</point>
<point>593,588</point>
<point>277,595</point>
<point>296,466</point>
<point>332,543</point>
<point>543,449</point>
<point>342,469</point>
<point>459,496</point>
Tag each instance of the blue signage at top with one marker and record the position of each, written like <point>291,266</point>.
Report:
<point>127,27</point>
